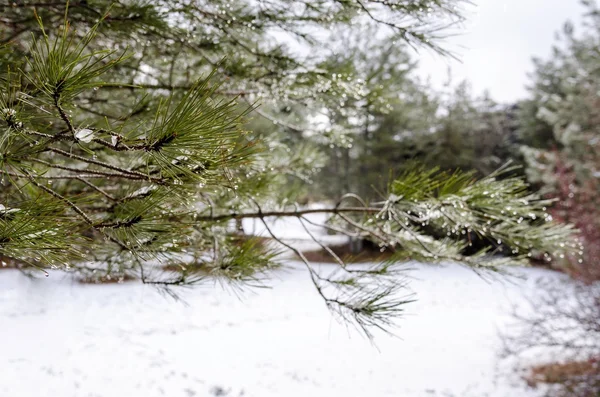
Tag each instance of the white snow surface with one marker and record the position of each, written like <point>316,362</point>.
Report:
<point>62,338</point>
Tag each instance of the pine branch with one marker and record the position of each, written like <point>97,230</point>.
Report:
<point>123,171</point>
<point>65,200</point>
<point>292,213</point>
<point>166,178</point>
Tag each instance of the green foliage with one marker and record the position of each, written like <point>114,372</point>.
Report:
<point>563,110</point>
<point>498,208</point>
<point>38,233</point>
<point>560,129</point>
<point>397,121</point>
<point>61,69</point>
<point>135,165</point>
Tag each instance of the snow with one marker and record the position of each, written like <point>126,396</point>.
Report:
<point>61,338</point>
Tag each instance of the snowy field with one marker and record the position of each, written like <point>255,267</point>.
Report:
<point>61,338</point>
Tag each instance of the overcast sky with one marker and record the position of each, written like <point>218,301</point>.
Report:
<point>498,43</point>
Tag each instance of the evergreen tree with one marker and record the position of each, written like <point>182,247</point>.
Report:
<point>391,105</point>
<point>473,132</point>
<point>119,159</point>
<point>560,125</point>
<point>399,121</point>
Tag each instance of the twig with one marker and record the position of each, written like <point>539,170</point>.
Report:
<point>99,190</point>
<point>106,165</point>
<point>296,213</point>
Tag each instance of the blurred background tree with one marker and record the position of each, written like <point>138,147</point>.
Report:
<point>559,129</point>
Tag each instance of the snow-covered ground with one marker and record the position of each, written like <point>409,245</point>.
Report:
<point>61,338</point>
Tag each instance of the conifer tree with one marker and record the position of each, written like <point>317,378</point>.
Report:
<point>560,126</point>
<point>124,149</point>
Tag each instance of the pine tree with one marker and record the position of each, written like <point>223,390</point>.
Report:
<point>560,126</point>
<point>124,149</point>
<point>392,103</point>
